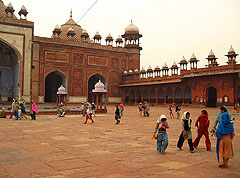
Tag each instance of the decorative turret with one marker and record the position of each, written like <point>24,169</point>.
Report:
<point>193,62</point>
<point>23,12</point>
<point>211,59</point>
<point>97,38</point>
<point>57,31</point>
<point>71,32</point>
<point>150,71</point>
<point>61,90</point>
<point>109,40</point>
<point>9,10</point>
<point>157,71</point>
<point>143,73</point>
<point>174,68</point>
<point>132,37</point>
<point>231,56</point>
<point>165,69</point>
<point>119,41</point>
<point>183,64</point>
<point>99,87</point>
<point>84,35</point>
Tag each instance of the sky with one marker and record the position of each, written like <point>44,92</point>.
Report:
<point>170,28</point>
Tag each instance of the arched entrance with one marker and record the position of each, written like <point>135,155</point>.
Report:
<point>132,96</point>
<point>9,73</point>
<point>139,96</point>
<point>178,95</point>
<point>160,95</point>
<point>169,96</point>
<point>211,97</point>
<point>152,96</point>
<point>145,95</point>
<point>187,95</point>
<point>91,83</point>
<point>52,82</point>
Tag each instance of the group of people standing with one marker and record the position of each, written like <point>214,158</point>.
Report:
<point>18,110</point>
<point>178,109</point>
<point>144,109</point>
<point>223,130</point>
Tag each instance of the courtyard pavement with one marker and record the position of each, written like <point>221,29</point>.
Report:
<point>55,147</point>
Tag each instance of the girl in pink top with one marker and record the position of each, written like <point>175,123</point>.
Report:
<point>34,110</point>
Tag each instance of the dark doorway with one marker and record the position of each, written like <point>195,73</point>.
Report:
<point>178,96</point>
<point>91,85</point>
<point>132,97</point>
<point>169,96</point>
<point>139,96</point>
<point>187,95</point>
<point>52,82</point>
<point>152,96</point>
<point>211,97</point>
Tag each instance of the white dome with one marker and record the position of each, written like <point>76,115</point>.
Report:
<point>109,36</point>
<point>130,71</point>
<point>231,49</point>
<point>193,56</point>
<point>57,27</point>
<point>125,72</point>
<point>10,5</point>
<point>97,34</point>
<point>61,90</point>
<point>136,70</point>
<point>132,27</point>
<point>23,8</point>
<point>211,53</point>
<point>84,31</point>
<point>165,65</point>
<point>174,63</point>
<point>99,87</point>
<point>149,67</point>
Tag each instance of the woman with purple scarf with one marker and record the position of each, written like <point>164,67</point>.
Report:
<point>225,134</point>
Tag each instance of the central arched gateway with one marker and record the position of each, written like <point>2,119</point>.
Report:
<point>211,97</point>
<point>52,82</point>
<point>9,73</point>
<point>91,83</point>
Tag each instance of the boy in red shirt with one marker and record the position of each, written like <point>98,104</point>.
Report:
<point>202,124</point>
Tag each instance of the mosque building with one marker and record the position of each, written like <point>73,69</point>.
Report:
<point>33,67</point>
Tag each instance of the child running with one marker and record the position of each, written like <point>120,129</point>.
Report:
<point>186,132</point>
<point>89,114</point>
<point>171,113</point>
<point>162,137</point>
<point>202,125</point>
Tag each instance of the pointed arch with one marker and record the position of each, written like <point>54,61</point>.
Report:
<point>187,95</point>
<point>152,96</point>
<point>139,96</point>
<point>132,96</point>
<point>160,95</point>
<point>178,95</point>
<point>169,95</point>
<point>145,95</point>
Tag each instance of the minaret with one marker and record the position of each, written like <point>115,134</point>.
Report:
<point>212,59</point>
<point>231,56</point>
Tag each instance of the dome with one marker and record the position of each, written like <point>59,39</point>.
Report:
<point>57,27</point>
<point>157,68</point>
<point>149,68</point>
<point>23,8</point>
<point>10,6</point>
<point>132,28</point>
<point>165,66</point>
<point>119,39</point>
<point>61,90</point>
<point>211,54</point>
<point>97,36</point>
<point>231,50</point>
<point>99,87</point>
<point>143,70</point>
<point>70,24</point>
<point>125,72</point>
<point>109,37</point>
<point>130,71</point>
<point>3,8</point>
<point>193,58</point>
<point>174,66</point>
<point>183,61</point>
<point>84,34</point>
<point>136,70</point>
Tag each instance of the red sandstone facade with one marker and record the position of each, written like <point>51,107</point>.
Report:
<point>210,86</point>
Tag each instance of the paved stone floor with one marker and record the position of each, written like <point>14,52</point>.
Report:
<point>64,147</point>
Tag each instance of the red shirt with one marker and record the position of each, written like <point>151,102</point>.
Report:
<point>203,123</point>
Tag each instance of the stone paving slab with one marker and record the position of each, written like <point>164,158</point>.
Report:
<point>53,147</point>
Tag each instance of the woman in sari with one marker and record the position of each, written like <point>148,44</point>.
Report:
<point>225,134</point>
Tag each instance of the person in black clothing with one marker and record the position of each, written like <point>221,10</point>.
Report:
<point>117,115</point>
<point>186,132</point>
<point>93,109</point>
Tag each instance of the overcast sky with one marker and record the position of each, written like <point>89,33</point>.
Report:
<point>170,28</point>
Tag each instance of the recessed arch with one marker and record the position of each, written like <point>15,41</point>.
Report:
<point>139,96</point>
<point>126,96</point>
<point>169,95</point>
<point>160,95</point>
<point>10,71</point>
<point>152,96</point>
<point>145,95</point>
<point>132,96</point>
<point>187,95</point>
<point>211,96</point>
<point>52,82</point>
<point>178,95</point>
<point>92,80</point>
